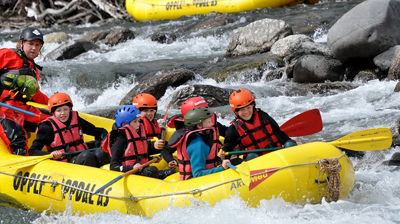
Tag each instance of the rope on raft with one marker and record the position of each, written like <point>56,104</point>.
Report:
<point>331,168</point>
<point>333,187</point>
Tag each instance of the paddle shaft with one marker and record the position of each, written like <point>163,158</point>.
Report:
<point>164,123</point>
<point>18,109</point>
<point>251,151</point>
<point>132,171</point>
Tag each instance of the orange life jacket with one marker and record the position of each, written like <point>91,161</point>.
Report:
<point>67,138</point>
<point>136,149</point>
<point>258,135</point>
<point>185,168</point>
<point>151,127</point>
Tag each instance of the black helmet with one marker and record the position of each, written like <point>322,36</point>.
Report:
<point>31,33</point>
<point>196,116</point>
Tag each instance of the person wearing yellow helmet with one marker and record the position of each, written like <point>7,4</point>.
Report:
<point>252,128</point>
<point>63,133</point>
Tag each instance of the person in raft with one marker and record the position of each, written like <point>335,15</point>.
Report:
<point>198,150</point>
<point>19,83</point>
<point>252,128</point>
<point>147,104</point>
<point>128,145</point>
<point>63,133</point>
<point>178,123</point>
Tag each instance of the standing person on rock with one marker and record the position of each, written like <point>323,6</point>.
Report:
<point>252,128</point>
<point>63,133</point>
<point>147,104</point>
<point>19,75</point>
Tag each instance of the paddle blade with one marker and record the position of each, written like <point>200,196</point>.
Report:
<point>366,140</point>
<point>306,123</point>
<point>244,172</point>
<point>24,161</point>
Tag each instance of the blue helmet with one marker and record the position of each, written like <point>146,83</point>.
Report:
<point>126,114</point>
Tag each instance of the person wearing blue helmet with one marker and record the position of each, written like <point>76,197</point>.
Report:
<point>128,145</point>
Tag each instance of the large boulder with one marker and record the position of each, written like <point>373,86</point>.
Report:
<point>257,37</point>
<point>317,68</point>
<point>394,70</point>
<point>214,96</point>
<point>384,60</point>
<point>157,84</point>
<point>367,30</point>
<point>70,50</point>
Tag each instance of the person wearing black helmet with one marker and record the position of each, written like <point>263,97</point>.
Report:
<point>19,75</point>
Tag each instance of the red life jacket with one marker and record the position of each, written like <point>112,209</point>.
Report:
<point>258,135</point>
<point>67,139</point>
<point>136,149</point>
<point>151,127</point>
<point>16,60</point>
<point>185,168</point>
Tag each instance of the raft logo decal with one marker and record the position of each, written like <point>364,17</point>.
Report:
<point>32,183</point>
<point>258,179</point>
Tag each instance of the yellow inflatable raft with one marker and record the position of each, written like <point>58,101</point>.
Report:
<point>172,9</point>
<point>294,174</point>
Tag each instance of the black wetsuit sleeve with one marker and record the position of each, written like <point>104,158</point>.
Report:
<point>232,139</point>
<point>118,147</point>
<point>222,129</point>
<point>167,153</point>
<point>282,136</point>
<point>44,136</point>
<point>89,129</point>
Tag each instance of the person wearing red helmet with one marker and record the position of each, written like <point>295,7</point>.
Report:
<point>63,133</point>
<point>178,123</point>
<point>19,76</point>
<point>252,128</point>
<point>147,104</point>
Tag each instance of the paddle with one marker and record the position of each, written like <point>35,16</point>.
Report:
<point>243,170</point>
<point>26,161</point>
<point>19,110</point>
<point>363,140</point>
<point>250,151</point>
<point>132,171</point>
<point>366,140</point>
<point>164,123</point>
<point>306,123</point>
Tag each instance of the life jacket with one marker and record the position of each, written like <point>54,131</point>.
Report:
<point>185,168</point>
<point>151,127</point>
<point>29,67</point>
<point>136,149</point>
<point>258,135</point>
<point>67,138</point>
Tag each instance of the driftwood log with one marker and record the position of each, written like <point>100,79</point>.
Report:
<point>21,13</point>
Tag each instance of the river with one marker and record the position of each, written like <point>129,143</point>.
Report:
<point>94,78</point>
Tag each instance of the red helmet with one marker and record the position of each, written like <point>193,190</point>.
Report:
<point>58,99</point>
<point>193,103</point>
<point>240,98</point>
<point>144,100</point>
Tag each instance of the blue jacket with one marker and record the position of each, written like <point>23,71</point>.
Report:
<point>198,151</point>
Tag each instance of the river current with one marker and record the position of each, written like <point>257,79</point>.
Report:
<point>93,78</point>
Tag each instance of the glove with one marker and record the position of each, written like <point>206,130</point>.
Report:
<point>19,151</point>
<point>26,84</point>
